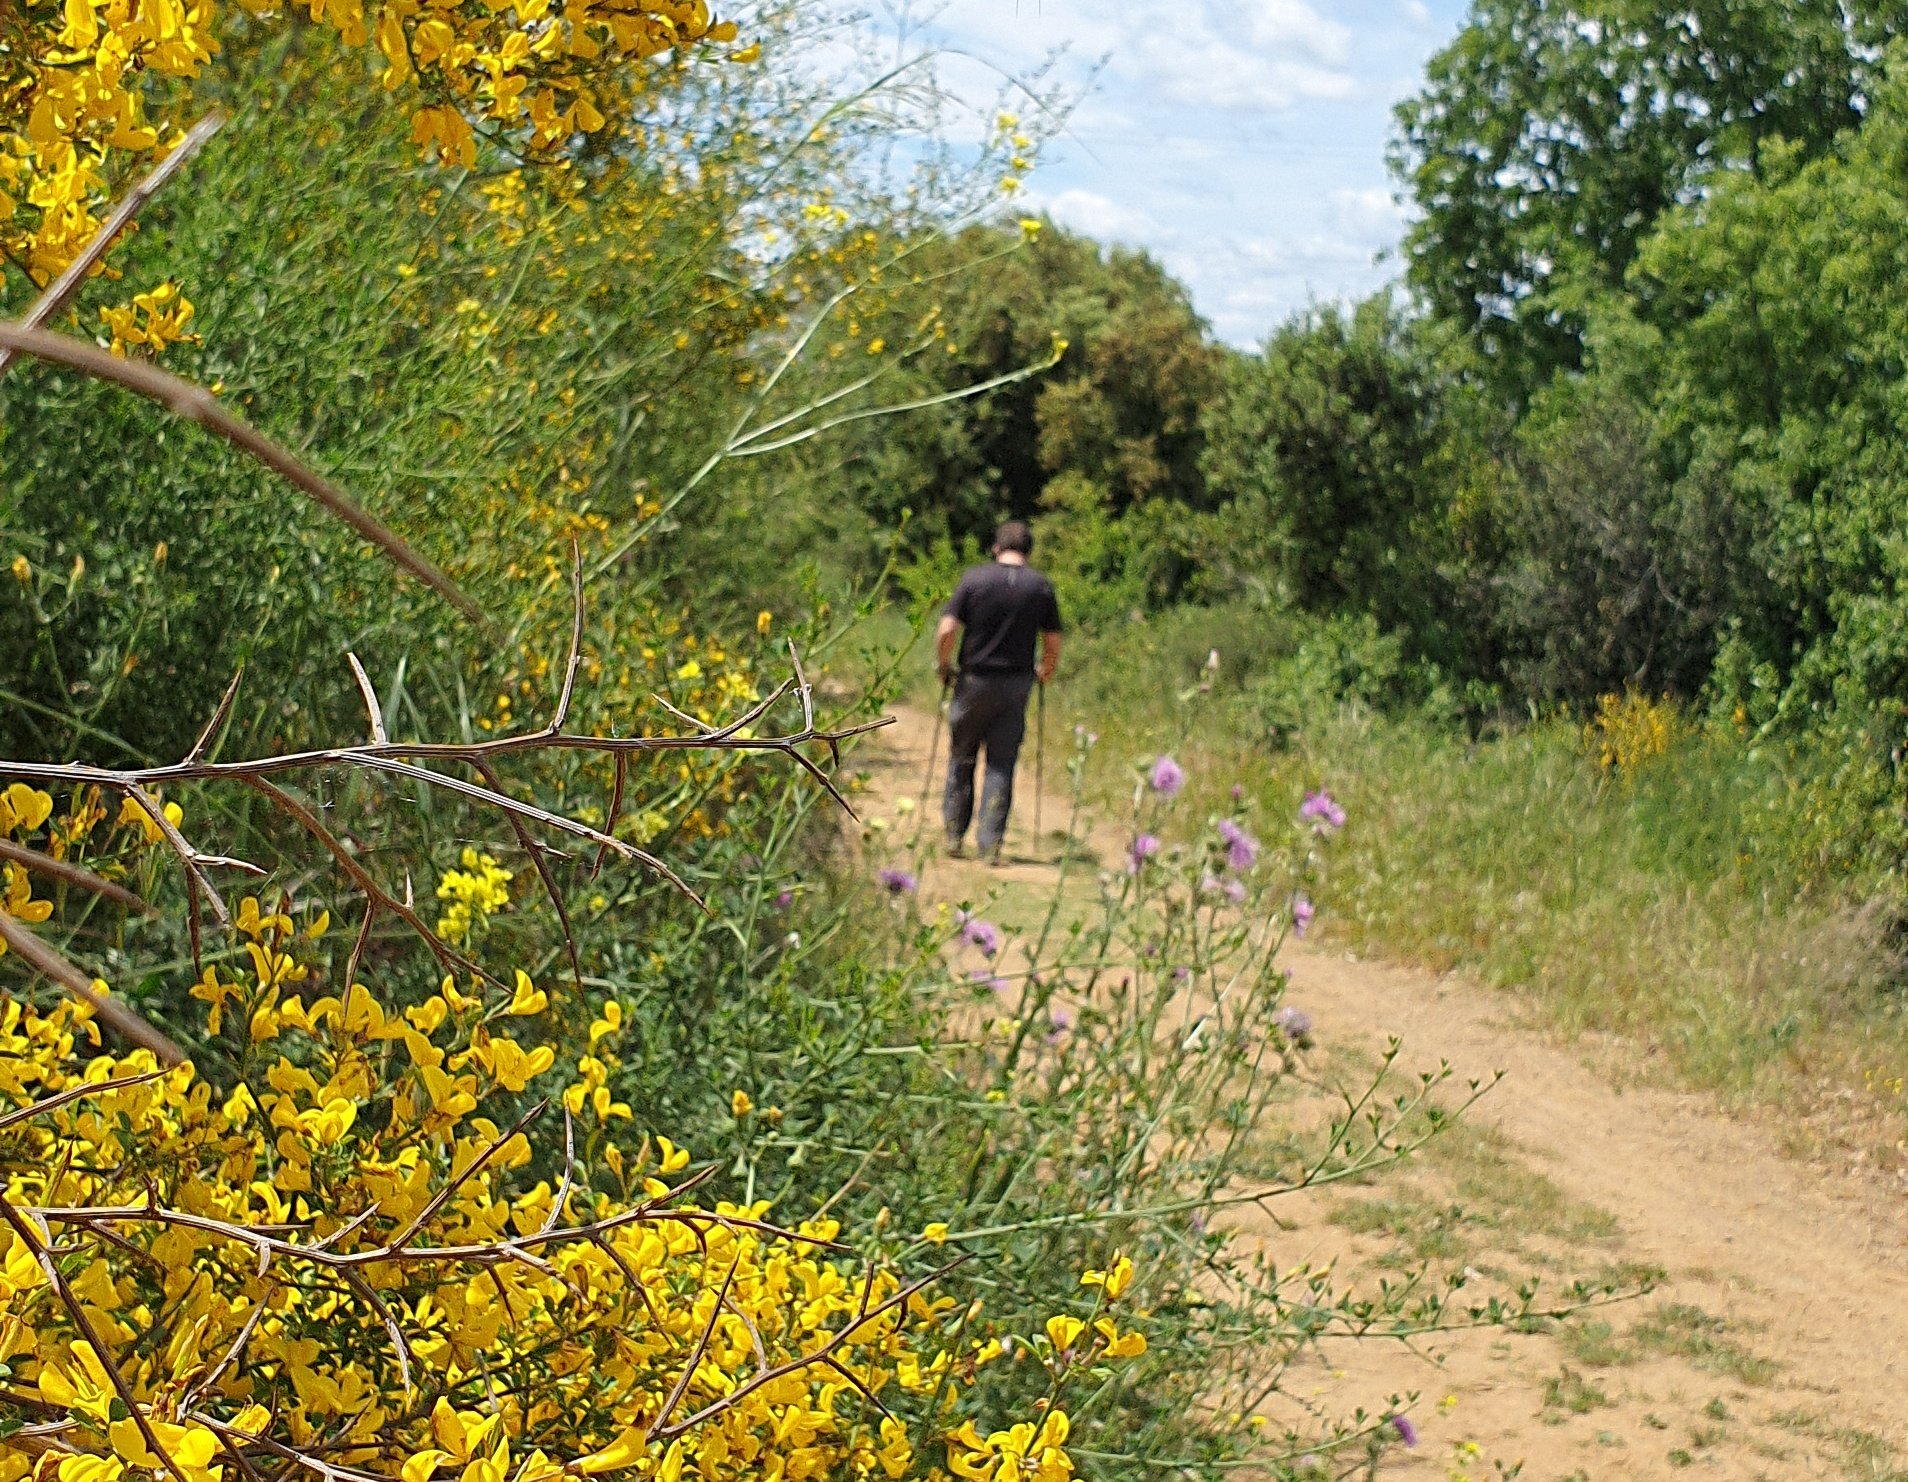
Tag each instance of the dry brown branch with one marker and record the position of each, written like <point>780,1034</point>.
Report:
<point>403,759</point>
<point>376,896</point>
<point>59,293</point>
<point>189,859</point>
<point>211,731</point>
<point>371,705</point>
<point>821,1355</point>
<point>34,1237</point>
<point>72,874</point>
<point>72,1094</point>
<point>535,851</point>
<point>196,404</point>
<point>44,960</point>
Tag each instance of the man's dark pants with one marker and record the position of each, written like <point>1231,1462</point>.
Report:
<point>990,713</point>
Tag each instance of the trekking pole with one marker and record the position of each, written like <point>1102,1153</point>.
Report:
<point>1040,759</point>
<point>934,746</point>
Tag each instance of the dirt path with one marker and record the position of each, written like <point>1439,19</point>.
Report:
<point>1776,1344</point>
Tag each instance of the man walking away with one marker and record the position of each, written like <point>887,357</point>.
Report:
<point>1001,613</point>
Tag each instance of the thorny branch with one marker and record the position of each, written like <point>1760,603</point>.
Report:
<point>405,759</point>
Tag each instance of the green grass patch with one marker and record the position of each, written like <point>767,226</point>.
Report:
<point>1680,1330</point>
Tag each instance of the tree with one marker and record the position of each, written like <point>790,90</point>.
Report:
<point>1114,426</point>
<point>1337,473</point>
<point>1551,137</point>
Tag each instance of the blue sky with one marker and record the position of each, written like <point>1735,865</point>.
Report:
<point>1241,141</point>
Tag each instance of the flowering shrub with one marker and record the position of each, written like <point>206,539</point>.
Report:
<point>94,85</point>
<point>1630,731</point>
<point>343,1256</point>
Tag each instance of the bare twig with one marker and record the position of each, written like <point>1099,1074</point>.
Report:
<point>72,874</point>
<point>72,1094</point>
<point>375,710</point>
<point>49,963</point>
<point>562,715</point>
<point>224,709</point>
<point>795,1365</point>
<point>535,850</point>
<point>59,293</point>
<point>189,859</point>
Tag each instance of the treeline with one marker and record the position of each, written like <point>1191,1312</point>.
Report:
<point>1633,419</point>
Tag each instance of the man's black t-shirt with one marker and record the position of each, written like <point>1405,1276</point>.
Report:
<point>1004,610</point>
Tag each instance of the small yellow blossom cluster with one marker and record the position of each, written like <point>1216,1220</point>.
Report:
<point>1029,1453</point>
<point>475,893</point>
<point>26,811</point>
<point>93,88</point>
<point>1631,730</point>
<point>340,1255</point>
<point>152,320</point>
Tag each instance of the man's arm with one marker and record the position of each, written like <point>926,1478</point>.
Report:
<point>1049,656</point>
<point>945,638</point>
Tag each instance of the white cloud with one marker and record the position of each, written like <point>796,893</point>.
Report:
<point>1240,141</point>
<point>1369,214</point>
<point>1098,216</point>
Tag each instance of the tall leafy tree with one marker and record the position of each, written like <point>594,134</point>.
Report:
<point>1336,455</point>
<point>1551,136</point>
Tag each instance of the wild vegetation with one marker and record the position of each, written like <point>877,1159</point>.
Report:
<point>445,1034</point>
<point>1568,559</point>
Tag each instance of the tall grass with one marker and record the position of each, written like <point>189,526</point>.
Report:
<point>1709,907</point>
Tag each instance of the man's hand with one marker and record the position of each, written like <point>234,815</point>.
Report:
<point>945,637</point>
<point>1049,657</point>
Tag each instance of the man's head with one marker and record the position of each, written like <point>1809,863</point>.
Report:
<point>1014,537</point>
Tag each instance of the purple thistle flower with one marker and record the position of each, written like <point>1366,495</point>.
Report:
<point>1407,1432</point>
<point>1180,974</point>
<point>897,882</point>
<point>1302,914</point>
<point>1168,777</point>
<point>784,899</point>
<point>1321,810</point>
<point>1143,848</point>
<point>982,978</point>
<point>1062,1022</point>
<point>982,934</point>
<point>1242,850</point>
<point>1296,1023</point>
<point>1238,792</point>
<point>1232,890</point>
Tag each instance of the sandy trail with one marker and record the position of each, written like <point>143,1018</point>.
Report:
<point>1776,1345</point>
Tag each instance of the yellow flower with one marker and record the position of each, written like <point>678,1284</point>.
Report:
<point>1114,1280</point>
<point>739,1103</point>
<point>764,620</point>
<point>1064,1331</point>
<point>528,999</point>
<point>23,809</point>
<point>133,814</point>
<point>935,1234</point>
